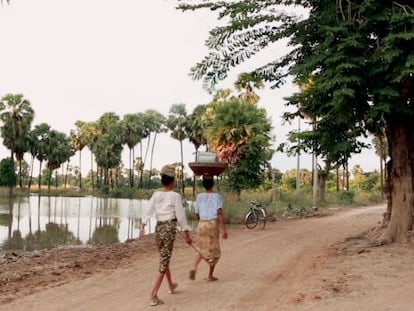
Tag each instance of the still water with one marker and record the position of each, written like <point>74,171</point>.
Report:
<point>39,222</point>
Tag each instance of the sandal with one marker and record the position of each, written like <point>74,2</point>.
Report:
<point>156,302</point>
<point>172,290</point>
<point>192,274</point>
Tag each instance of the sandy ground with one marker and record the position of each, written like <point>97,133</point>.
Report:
<point>291,265</point>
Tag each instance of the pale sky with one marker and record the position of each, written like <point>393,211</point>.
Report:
<point>77,59</point>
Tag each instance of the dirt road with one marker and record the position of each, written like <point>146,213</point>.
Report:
<point>291,265</point>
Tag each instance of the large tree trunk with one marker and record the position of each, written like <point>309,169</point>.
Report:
<point>388,191</point>
<point>401,149</point>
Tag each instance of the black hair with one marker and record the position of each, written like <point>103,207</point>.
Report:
<point>208,183</point>
<point>166,180</point>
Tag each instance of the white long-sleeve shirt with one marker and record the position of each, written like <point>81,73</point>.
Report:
<point>166,205</point>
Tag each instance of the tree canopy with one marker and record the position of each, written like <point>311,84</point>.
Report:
<point>360,58</point>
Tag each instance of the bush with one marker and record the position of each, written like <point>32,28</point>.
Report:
<point>346,197</point>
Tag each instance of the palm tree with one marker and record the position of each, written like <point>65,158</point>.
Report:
<point>40,145</point>
<point>33,150</point>
<point>108,146</point>
<point>196,132</point>
<point>78,143</point>
<point>90,133</point>
<point>177,123</point>
<point>230,130</point>
<point>58,151</point>
<point>22,146</point>
<point>195,127</point>
<point>109,149</point>
<point>154,123</point>
<point>17,116</point>
<point>132,130</point>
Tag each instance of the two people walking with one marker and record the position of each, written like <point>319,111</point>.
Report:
<point>168,209</point>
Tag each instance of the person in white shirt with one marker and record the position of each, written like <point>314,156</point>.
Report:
<point>168,209</point>
<point>209,213</point>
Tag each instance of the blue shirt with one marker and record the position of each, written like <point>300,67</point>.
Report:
<point>207,204</point>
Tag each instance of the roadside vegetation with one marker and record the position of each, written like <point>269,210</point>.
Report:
<point>281,202</point>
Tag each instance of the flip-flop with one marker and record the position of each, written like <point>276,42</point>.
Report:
<point>156,302</point>
<point>174,286</point>
<point>192,275</point>
<point>211,279</point>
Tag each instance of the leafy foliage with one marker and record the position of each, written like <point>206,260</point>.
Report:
<point>5,178</point>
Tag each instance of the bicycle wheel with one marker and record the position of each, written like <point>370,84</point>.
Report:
<point>251,220</point>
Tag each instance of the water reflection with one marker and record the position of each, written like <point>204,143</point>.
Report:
<point>40,222</point>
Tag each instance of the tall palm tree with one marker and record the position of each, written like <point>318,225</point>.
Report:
<point>78,143</point>
<point>40,145</point>
<point>154,124</point>
<point>108,146</point>
<point>231,129</point>
<point>132,130</point>
<point>90,132</point>
<point>33,150</point>
<point>195,127</point>
<point>177,123</point>
<point>59,151</point>
<point>17,115</point>
<point>109,149</point>
<point>196,132</point>
<point>22,146</point>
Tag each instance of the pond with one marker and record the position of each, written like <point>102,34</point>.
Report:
<point>41,222</point>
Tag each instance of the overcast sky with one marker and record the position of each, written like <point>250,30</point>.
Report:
<point>77,59</point>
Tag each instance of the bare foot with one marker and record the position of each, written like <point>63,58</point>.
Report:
<point>211,279</point>
<point>172,288</point>
<point>155,302</point>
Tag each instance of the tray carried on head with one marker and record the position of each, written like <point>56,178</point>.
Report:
<point>209,169</point>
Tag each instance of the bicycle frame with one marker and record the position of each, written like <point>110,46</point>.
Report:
<point>256,215</point>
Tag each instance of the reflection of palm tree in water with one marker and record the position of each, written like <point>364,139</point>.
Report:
<point>106,227</point>
<point>54,235</point>
<point>14,240</point>
<point>107,234</point>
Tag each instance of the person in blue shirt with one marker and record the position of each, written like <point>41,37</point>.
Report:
<point>209,213</point>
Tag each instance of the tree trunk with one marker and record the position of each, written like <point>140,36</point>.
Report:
<point>11,173</point>
<point>80,169</point>
<point>401,149</point>
<point>31,171</point>
<point>182,168</point>
<point>323,176</point>
<point>388,191</point>
<point>20,174</point>
<point>151,158</point>
<point>382,177</point>
<point>40,175</point>
<point>93,186</point>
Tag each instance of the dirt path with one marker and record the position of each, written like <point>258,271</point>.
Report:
<point>291,265</point>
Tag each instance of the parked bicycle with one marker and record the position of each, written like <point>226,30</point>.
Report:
<point>255,216</point>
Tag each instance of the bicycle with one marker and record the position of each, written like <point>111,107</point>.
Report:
<point>256,215</point>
